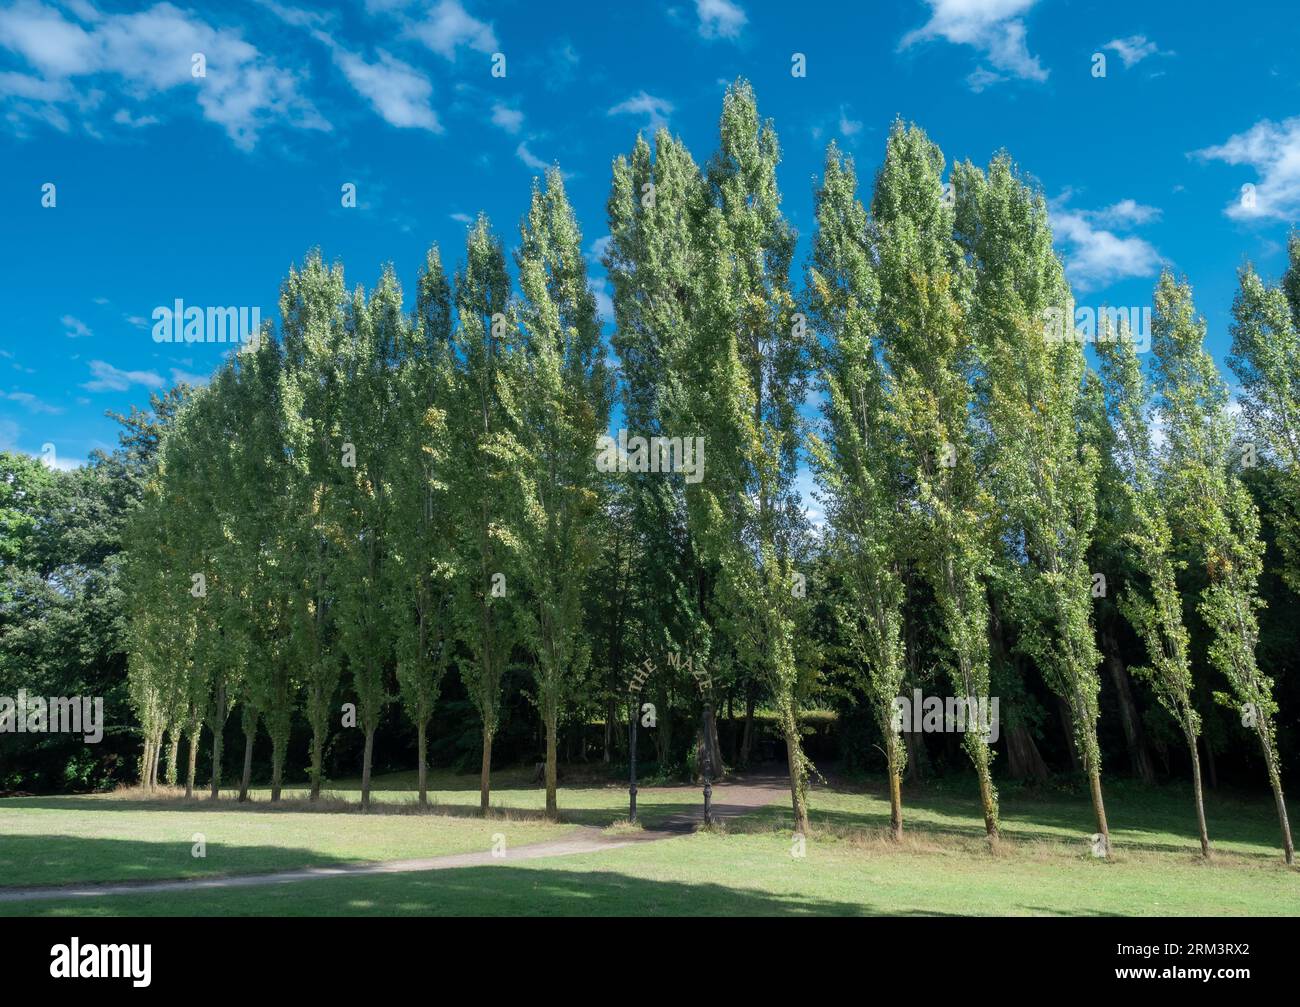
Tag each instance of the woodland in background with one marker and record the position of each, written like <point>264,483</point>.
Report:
<point>398,508</point>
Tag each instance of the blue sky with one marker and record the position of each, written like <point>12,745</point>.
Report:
<point>207,188</point>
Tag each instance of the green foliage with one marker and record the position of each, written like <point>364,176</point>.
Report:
<point>1266,358</point>
<point>858,463</point>
<point>927,349</point>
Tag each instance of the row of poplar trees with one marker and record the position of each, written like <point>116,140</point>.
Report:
<point>393,494</point>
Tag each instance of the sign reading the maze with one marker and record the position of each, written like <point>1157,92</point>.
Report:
<point>647,668</point>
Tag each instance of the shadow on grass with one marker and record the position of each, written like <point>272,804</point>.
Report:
<point>464,891</point>
<point>30,861</point>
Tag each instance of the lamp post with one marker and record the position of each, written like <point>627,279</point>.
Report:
<point>631,747</point>
<point>708,766</point>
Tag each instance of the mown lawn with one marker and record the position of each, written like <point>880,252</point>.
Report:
<point>943,866</point>
<point>127,836</point>
<point>755,874</point>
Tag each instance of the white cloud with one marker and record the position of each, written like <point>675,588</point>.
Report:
<point>981,77</point>
<point>462,218</point>
<point>992,27</point>
<point>31,402</point>
<point>394,89</point>
<point>295,16</point>
<point>146,53</point>
<point>656,110</point>
<point>1273,151</point>
<point>596,252</point>
<point>449,26</point>
<point>108,378</point>
<point>529,158</point>
<point>1125,213</point>
<point>720,18</point>
<point>1134,49</point>
<point>18,85</point>
<point>1094,254</point>
<point>849,127</point>
<point>509,119</point>
<point>124,118</point>
<point>604,303</point>
<point>76,328</point>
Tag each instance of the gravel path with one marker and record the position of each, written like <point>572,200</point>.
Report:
<point>730,800</point>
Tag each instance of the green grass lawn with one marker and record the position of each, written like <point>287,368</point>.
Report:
<point>126,836</point>
<point>755,874</point>
<point>942,867</point>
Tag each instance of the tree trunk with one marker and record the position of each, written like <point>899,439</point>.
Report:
<point>1068,721</point>
<point>798,772</point>
<point>277,765</point>
<point>365,768</point>
<point>485,774</point>
<point>894,754</point>
<point>1024,760</point>
<point>918,755</point>
<point>1138,755</point>
<point>988,798</point>
<point>552,804</point>
<point>977,749</point>
<point>247,776</point>
<point>733,736</point>
<point>747,741</point>
<point>216,763</point>
<point>192,767</point>
<point>157,756</point>
<point>1197,794</point>
<point>174,757</point>
<point>1275,781</point>
<point>317,758</point>
<point>1098,806</point>
<point>421,747</point>
<point>146,763</point>
<point>711,739</point>
<point>610,714</point>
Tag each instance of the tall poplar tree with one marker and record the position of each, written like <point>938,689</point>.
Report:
<point>747,375</point>
<point>377,330</point>
<point>1156,612</point>
<point>262,476</point>
<point>1213,511</point>
<point>656,200</point>
<point>314,335</point>
<point>1041,472</point>
<point>422,560</point>
<point>487,465</point>
<point>857,463</point>
<point>927,348</point>
<point>565,408</point>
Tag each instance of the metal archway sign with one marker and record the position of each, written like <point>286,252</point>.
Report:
<point>705,685</point>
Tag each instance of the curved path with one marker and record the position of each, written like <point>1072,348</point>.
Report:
<point>731,799</point>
